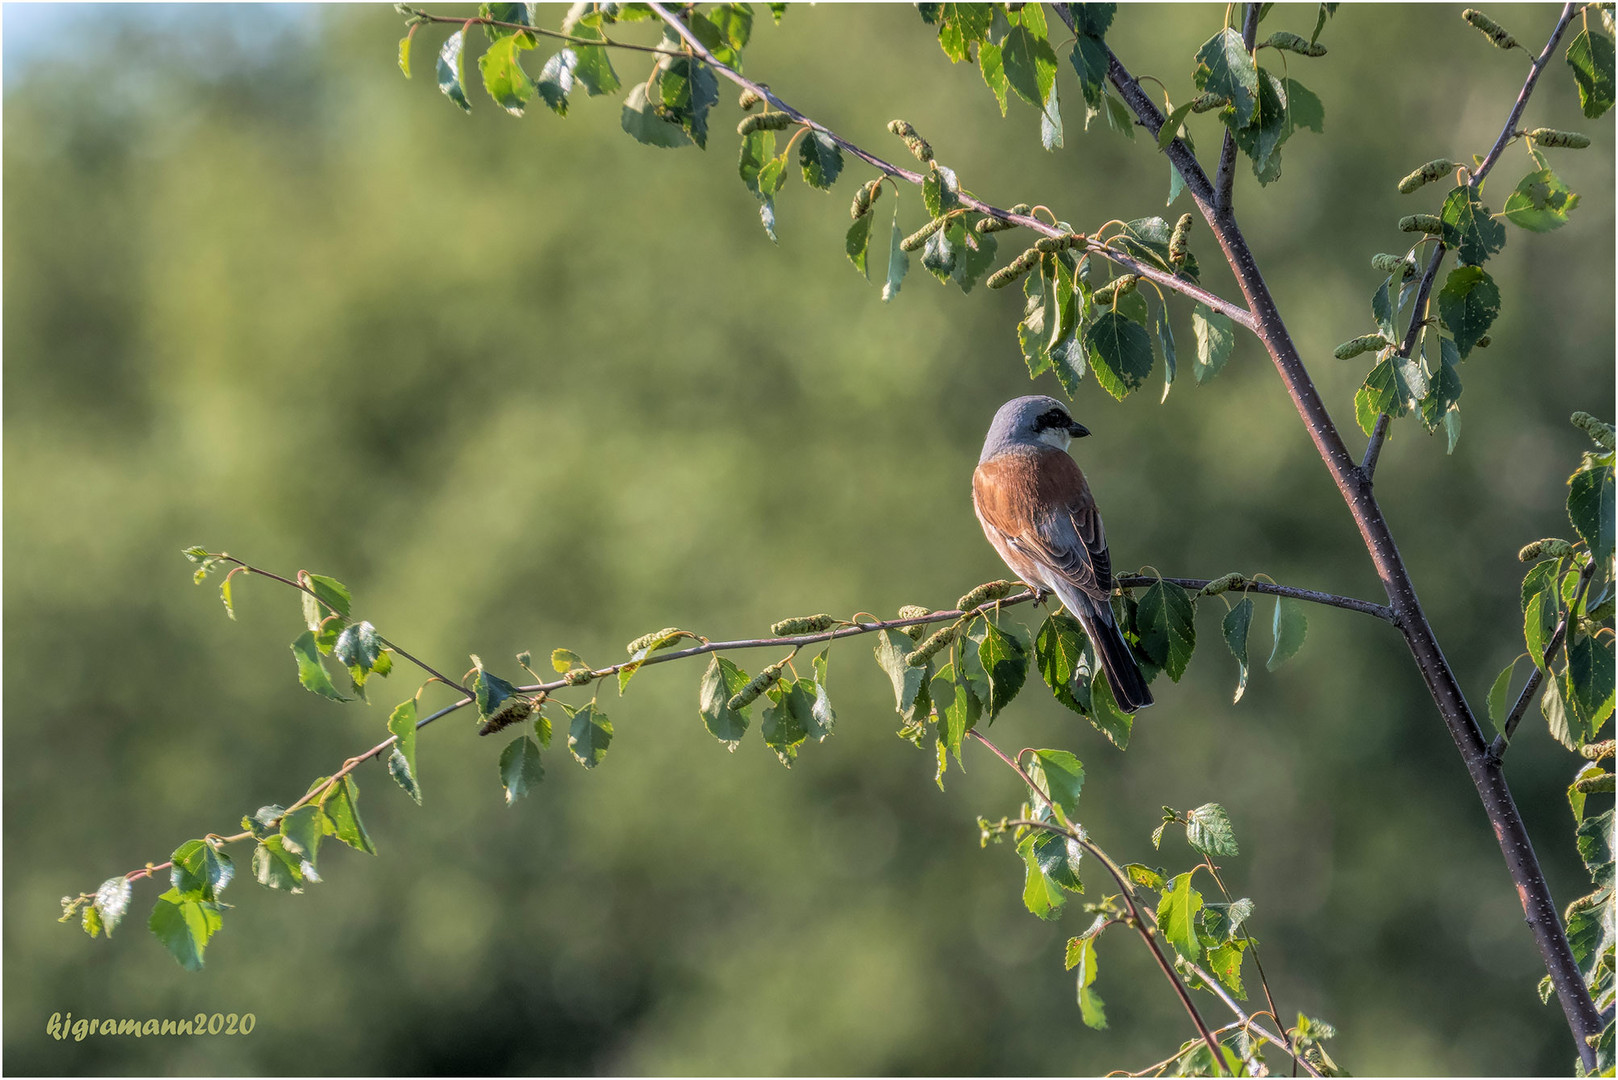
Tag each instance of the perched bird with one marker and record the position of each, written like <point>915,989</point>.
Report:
<point>1037,511</point>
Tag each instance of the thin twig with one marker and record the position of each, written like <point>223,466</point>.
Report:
<point>1508,132</point>
<point>1136,920</point>
<point>1497,749</point>
<point>1235,312</point>
<point>1225,179</point>
<point>553,34</point>
<point>1418,319</point>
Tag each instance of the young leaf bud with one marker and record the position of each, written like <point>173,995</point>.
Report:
<point>917,144</point>
<point>1122,285</point>
<point>1600,432</point>
<point>1177,240</point>
<point>1015,269</point>
<point>921,235</point>
<point>1540,550</point>
<point>1427,174</point>
<point>1293,43</point>
<point>1422,223</point>
<point>1569,140</point>
<point>1394,264</point>
<point>864,198</point>
<point>1600,751</point>
<point>749,98</point>
<point>579,677</point>
<point>756,686</point>
<point>913,611</point>
<point>1590,785</point>
<point>1223,584</point>
<point>994,224</point>
<point>1484,342</point>
<point>1050,245</point>
<point>1203,103</point>
<point>932,646</point>
<point>988,591</point>
<point>771,121</point>
<point>1491,29</point>
<point>646,641</point>
<point>1351,348</point>
<point>513,710</point>
<point>804,624</point>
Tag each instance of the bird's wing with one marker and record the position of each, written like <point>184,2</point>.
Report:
<point>1040,503</point>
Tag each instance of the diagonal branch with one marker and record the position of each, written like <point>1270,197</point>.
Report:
<point>1506,821</point>
<point>1235,312</point>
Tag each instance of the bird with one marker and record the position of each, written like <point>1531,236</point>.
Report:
<point>1036,509</point>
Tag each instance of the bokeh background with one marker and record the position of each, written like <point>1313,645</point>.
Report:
<point>527,383</point>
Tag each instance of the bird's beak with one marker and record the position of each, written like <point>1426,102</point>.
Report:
<point>1078,430</point>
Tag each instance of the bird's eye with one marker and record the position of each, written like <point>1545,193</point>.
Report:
<point>1051,418</point>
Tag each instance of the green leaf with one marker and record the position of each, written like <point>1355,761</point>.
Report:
<point>720,683</point>
<point>1498,702</point>
<point>1475,234</point>
<point>112,901</point>
<point>402,762</point>
<point>687,89</point>
<point>1059,653</point>
<point>503,77</point>
<point>593,69</point>
<point>1177,916</point>
<point>1591,58</point>
<point>1119,118</point>
<point>520,768</point>
<point>1289,626</point>
<point>301,830</point>
<point>451,72</point>
<point>1588,680</point>
<point>1165,340</point>
<point>1443,391</point>
<point>1040,894</point>
<point>589,734</point>
<point>940,191</point>
<point>959,707</point>
<point>1058,859</point>
<point>331,597</point>
<point>1394,386</point>
<point>185,925</point>
<point>1215,340</point>
<point>1304,109</point>
<point>892,647</point>
<point>1469,303</point>
<point>1105,714</point>
<point>993,68</point>
<point>898,261</point>
<point>1207,829</point>
<point>311,673</point>
<point>1171,126</point>
<point>1225,962</point>
<point>1081,954</point>
<point>1222,922</point>
<point>823,719</point>
<point>1229,70</point>
<point>1541,202</point>
<point>959,26</point>
<point>857,243</point>
<point>1594,839</point>
<point>1030,65</point>
<point>1541,610</point>
<point>1005,658</point>
<point>277,868</point>
<point>1260,137</point>
<point>404,66</point>
<point>788,717</point>
<point>1590,507</point>
<point>821,158</point>
<point>1089,59</point>
<point>1236,623</point>
<point>641,120</point>
<point>1166,621</point>
<point>1060,776</point>
<point>939,256</point>
<point>498,700</point>
<point>340,804</point>
<point>976,259</point>
<point>555,80</point>
<point>1050,122</point>
<point>1120,352</point>
<point>757,154</point>
<point>200,870</point>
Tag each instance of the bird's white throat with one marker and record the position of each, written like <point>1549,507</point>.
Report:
<point>1055,437</point>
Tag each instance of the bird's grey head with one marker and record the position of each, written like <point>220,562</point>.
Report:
<point>1032,421</point>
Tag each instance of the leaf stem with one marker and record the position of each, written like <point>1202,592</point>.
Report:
<point>1497,749</point>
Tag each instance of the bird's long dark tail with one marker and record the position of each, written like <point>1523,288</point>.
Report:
<point>1112,651</point>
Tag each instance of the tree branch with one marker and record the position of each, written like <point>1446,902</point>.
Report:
<point>1539,908</point>
<point>1418,319</point>
<point>1497,749</point>
<point>1234,312</point>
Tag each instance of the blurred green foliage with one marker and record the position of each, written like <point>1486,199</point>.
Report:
<point>523,384</point>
